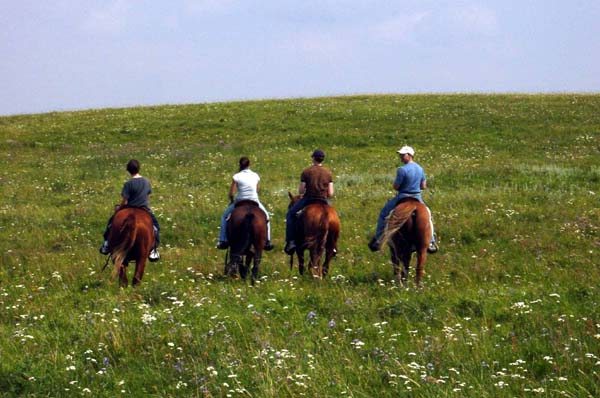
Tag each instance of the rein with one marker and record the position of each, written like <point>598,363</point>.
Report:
<point>108,258</point>
<point>226,257</point>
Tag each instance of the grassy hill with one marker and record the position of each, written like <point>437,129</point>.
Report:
<point>510,305</point>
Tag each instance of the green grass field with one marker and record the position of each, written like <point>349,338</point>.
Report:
<point>510,304</point>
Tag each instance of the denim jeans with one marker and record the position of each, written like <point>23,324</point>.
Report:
<point>290,218</point>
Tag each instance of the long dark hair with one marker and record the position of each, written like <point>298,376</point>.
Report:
<point>244,163</point>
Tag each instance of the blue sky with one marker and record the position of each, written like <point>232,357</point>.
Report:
<point>68,55</point>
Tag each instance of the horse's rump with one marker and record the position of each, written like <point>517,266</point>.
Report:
<point>247,226</point>
<point>318,222</point>
<point>408,229</point>
<point>131,235</point>
<point>247,236</point>
<point>410,218</point>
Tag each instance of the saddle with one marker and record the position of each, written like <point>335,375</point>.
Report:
<point>407,199</point>
<point>310,202</point>
<point>245,202</point>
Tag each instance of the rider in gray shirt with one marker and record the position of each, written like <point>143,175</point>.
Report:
<point>135,193</point>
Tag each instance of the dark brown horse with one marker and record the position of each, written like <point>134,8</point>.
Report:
<point>408,229</point>
<point>317,231</point>
<point>131,238</point>
<point>247,236</point>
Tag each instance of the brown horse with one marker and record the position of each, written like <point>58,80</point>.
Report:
<point>246,230</point>
<point>408,229</point>
<point>317,231</point>
<point>131,238</point>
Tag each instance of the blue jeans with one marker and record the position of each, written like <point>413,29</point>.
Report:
<point>227,212</point>
<point>290,218</point>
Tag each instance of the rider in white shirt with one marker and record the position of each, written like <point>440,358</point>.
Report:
<point>246,184</point>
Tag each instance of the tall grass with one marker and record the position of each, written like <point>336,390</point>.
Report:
<point>510,303</point>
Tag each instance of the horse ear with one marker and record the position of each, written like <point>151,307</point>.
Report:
<point>290,195</point>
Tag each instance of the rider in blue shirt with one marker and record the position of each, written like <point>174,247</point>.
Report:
<point>410,180</point>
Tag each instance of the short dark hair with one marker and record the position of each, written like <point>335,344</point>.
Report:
<point>133,167</point>
<point>244,163</point>
<point>318,155</point>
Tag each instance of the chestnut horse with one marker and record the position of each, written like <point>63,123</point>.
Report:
<point>246,230</point>
<point>131,238</point>
<point>407,230</point>
<point>317,230</point>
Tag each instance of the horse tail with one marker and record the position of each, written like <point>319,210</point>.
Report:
<point>396,219</point>
<point>128,233</point>
<point>246,235</point>
<point>319,237</point>
<point>324,227</point>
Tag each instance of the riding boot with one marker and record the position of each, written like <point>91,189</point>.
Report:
<point>222,245</point>
<point>374,244</point>
<point>104,248</point>
<point>290,246</point>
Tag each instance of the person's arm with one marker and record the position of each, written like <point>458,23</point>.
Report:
<point>302,188</point>
<point>121,205</point>
<point>232,190</point>
<point>398,180</point>
<point>423,185</point>
<point>124,197</point>
<point>330,190</point>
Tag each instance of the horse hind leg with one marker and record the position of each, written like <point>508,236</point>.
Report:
<point>232,266</point>
<point>256,266</point>
<point>329,254</point>
<point>325,266</point>
<point>315,264</point>
<point>123,282</point>
<point>244,264</point>
<point>400,276</point>
<point>140,267</point>
<point>300,254</point>
<point>421,259</point>
<point>406,265</point>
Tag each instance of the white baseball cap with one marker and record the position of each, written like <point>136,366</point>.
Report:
<point>406,149</point>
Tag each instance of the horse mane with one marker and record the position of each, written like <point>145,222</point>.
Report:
<point>396,220</point>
